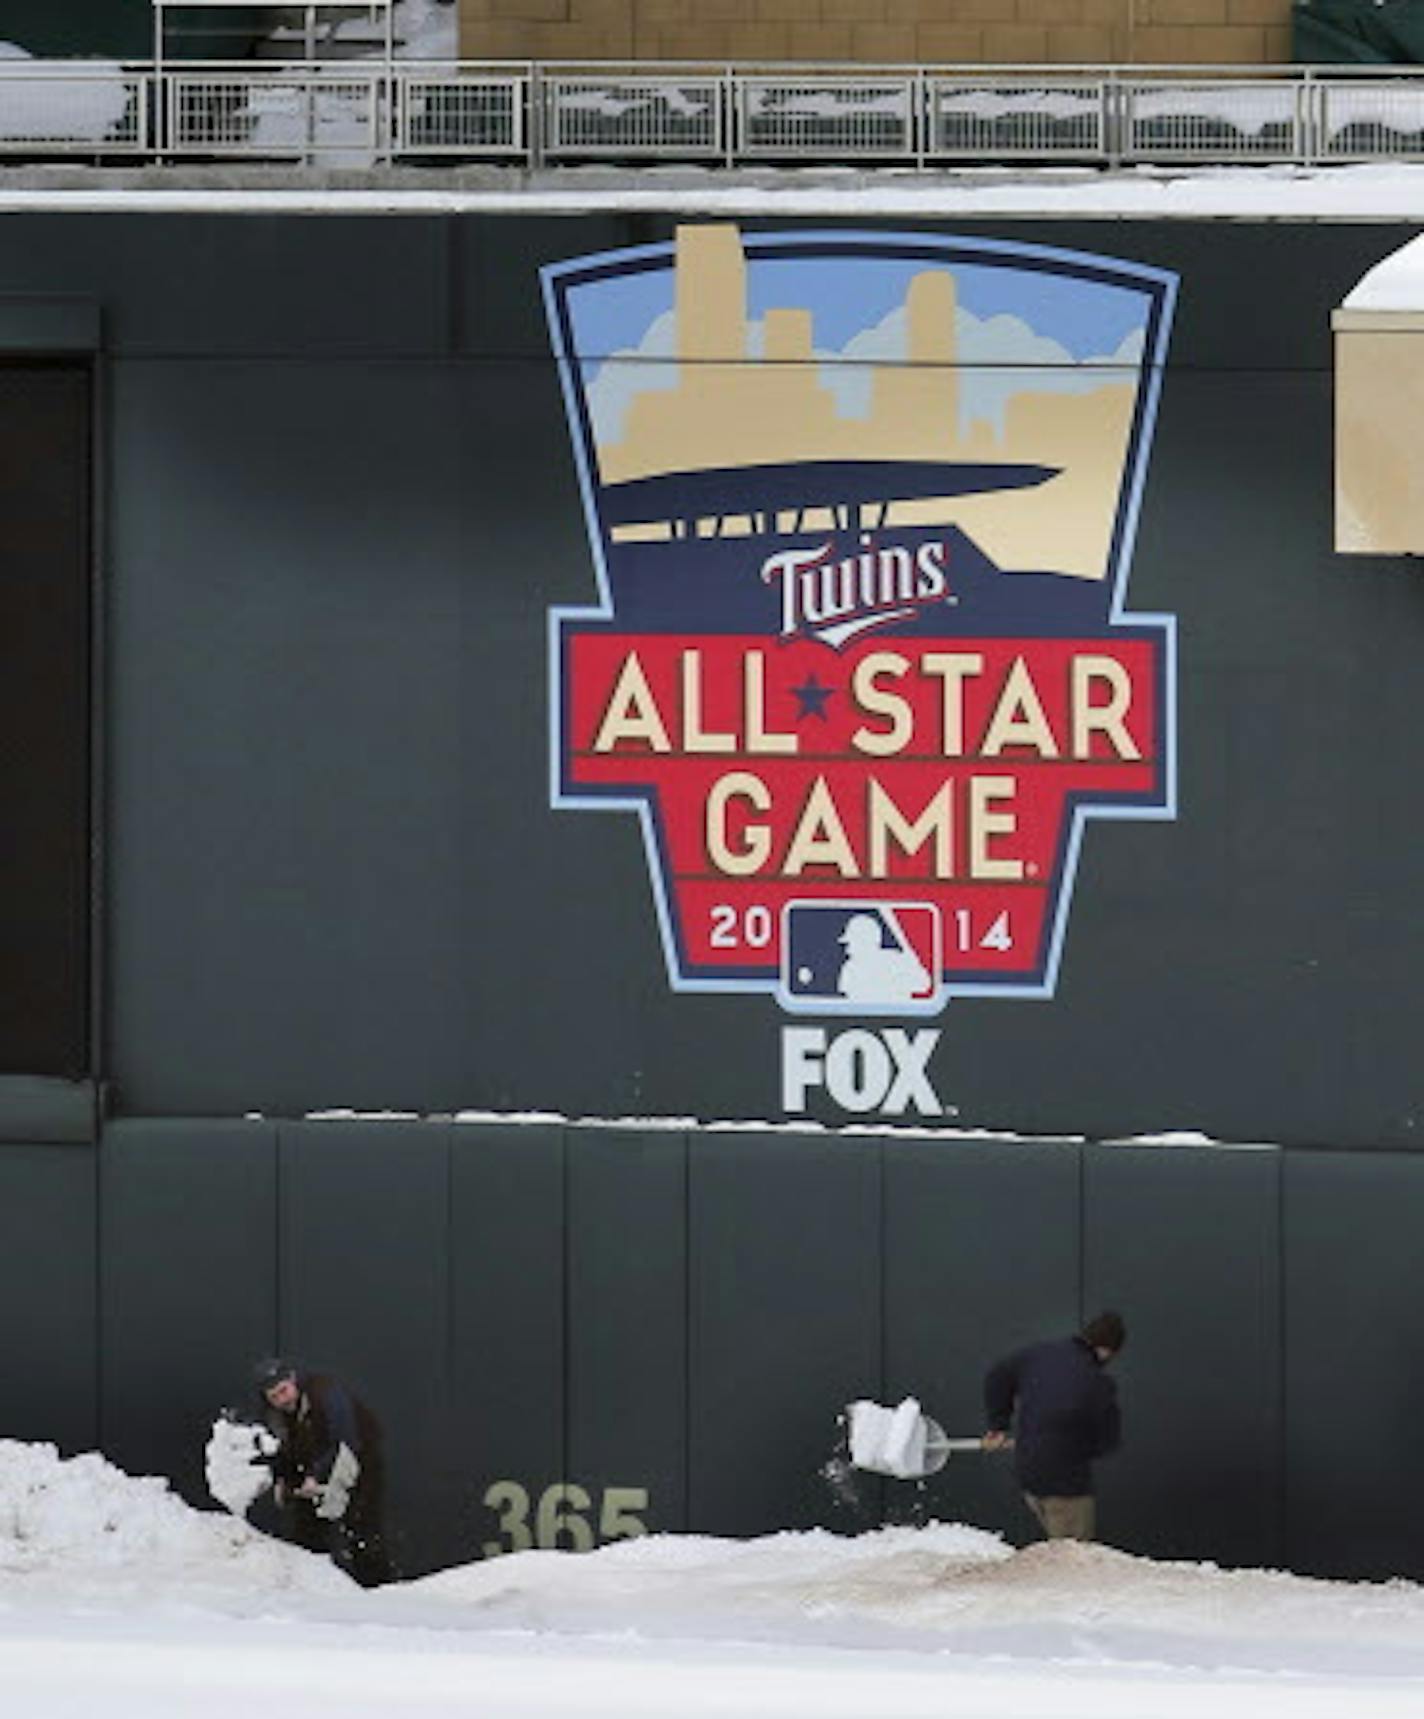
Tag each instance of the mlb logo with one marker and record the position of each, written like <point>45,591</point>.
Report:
<point>861,957</point>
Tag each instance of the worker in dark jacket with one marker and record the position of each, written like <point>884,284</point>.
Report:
<point>327,1475</point>
<point>1056,1404</point>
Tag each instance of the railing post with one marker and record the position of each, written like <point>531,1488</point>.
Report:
<point>920,116</point>
<point>384,118</point>
<point>537,117</point>
<point>1114,119</point>
<point>1309,95</point>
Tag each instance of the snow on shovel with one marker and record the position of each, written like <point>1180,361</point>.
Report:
<point>902,1442</point>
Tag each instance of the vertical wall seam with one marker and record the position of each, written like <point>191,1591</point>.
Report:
<point>883,1241</point>
<point>1283,1533</point>
<point>1082,1235</point>
<point>688,1346</point>
<point>686,1333</point>
<point>883,1266</point>
<point>279,1303</point>
<point>453,277</point>
<point>449,1392</point>
<point>566,1316</point>
<point>98,476</point>
<point>97,1331</point>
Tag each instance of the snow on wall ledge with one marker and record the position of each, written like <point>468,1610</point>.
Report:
<point>691,1124</point>
<point>1368,192</point>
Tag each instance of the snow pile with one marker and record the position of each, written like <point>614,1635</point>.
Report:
<point>78,100</point>
<point>426,30</point>
<point>950,1588</point>
<point>116,1598</point>
<point>80,1525</point>
<point>423,30</point>
<point>1395,284</point>
<point>235,1463</point>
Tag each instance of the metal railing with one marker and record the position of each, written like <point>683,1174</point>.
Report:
<point>372,112</point>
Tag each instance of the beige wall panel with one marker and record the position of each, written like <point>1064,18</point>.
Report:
<point>762,41</point>
<point>943,32</point>
<point>986,12</point>
<point>1082,44</point>
<point>950,44</point>
<point>1274,12</point>
<point>535,11</point>
<point>1194,12</point>
<point>1379,449</point>
<point>1016,44</point>
<point>789,11</point>
<point>1064,12</point>
<point>820,41</point>
<point>690,41</point>
<point>725,11</point>
<point>888,44</point>
<point>1207,45</point>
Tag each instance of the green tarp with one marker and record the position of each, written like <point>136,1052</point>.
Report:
<point>124,29</point>
<point>1358,32</point>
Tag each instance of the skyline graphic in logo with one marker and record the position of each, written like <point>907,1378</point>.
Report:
<point>861,507</point>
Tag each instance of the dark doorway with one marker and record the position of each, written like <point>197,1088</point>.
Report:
<point>45,581</point>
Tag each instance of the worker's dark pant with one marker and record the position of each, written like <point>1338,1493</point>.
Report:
<point>355,1544</point>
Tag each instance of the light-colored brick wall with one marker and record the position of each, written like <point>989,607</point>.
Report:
<point>890,32</point>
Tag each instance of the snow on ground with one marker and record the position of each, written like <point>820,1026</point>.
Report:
<point>117,1599</point>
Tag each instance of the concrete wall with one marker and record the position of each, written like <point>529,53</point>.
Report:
<point>901,32</point>
<point>338,505</point>
<point>337,520</point>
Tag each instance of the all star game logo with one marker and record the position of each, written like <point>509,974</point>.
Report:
<point>861,508</point>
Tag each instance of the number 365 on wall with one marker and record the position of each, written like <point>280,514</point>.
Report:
<point>563,1515</point>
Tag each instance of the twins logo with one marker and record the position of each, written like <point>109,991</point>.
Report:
<point>861,508</point>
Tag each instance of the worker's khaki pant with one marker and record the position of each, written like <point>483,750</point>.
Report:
<point>1065,1518</point>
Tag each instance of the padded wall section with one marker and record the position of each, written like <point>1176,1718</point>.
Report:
<point>784,1320</point>
<point>1186,1245</point>
<point>48,1208</point>
<point>1354,1383</point>
<point>627,1312</point>
<point>518,1304</point>
<point>364,1273</point>
<point>982,1249</point>
<point>508,1329</point>
<point>188,1277</point>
